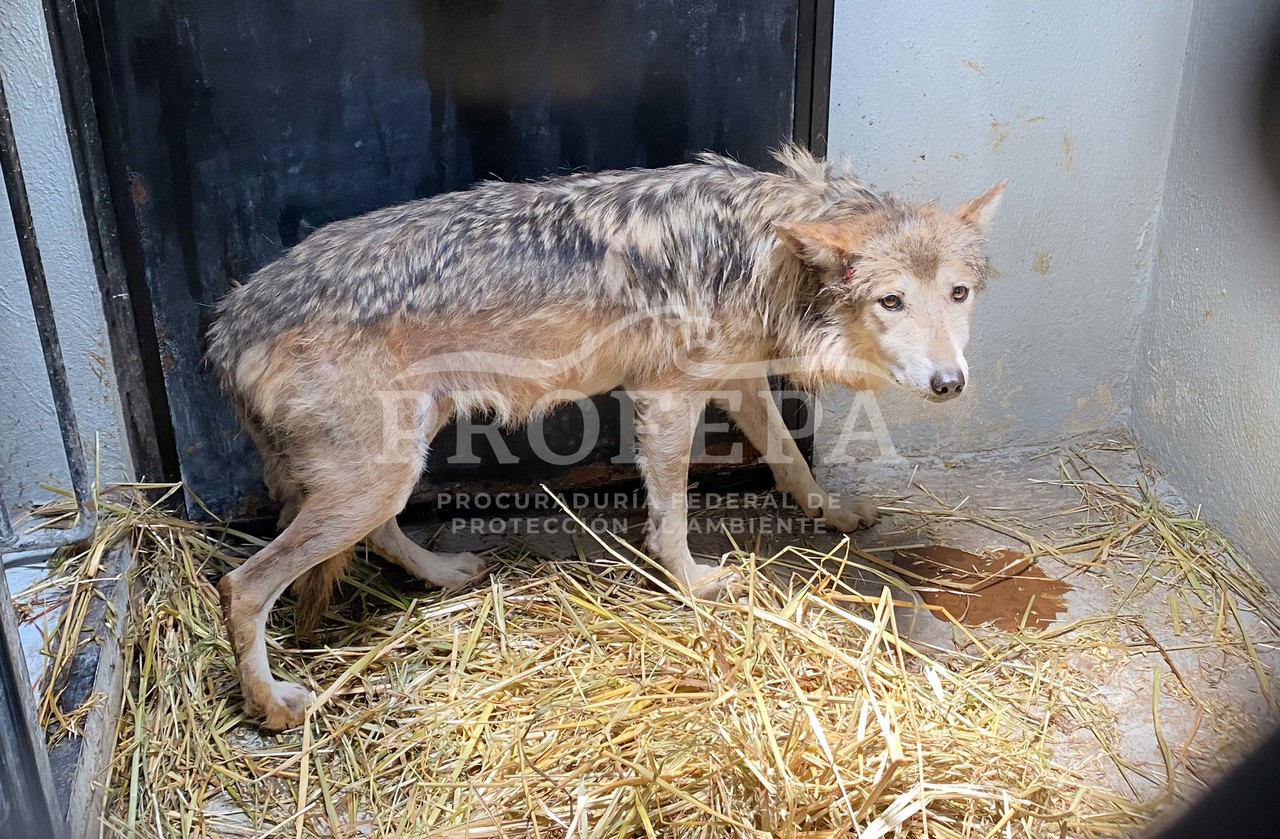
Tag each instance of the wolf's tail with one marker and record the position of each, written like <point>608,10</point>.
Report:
<point>314,588</point>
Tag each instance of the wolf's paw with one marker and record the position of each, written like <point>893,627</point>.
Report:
<point>847,513</point>
<point>453,571</point>
<point>711,582</point>
<point>281,705</point>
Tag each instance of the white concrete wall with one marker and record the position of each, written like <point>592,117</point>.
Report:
<point>30,445</point>
<point>1207,385</point>
<point>1075,103</point>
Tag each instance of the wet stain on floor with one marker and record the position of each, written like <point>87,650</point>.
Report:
<point>1000,587</point>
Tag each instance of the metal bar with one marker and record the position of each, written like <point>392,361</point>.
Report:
<point>814,25</point>
<point>27,808</point>
<point>24,227</point>
<point>820,87</point>
<point>802,124</point>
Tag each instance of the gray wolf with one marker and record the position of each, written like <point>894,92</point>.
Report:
<point>345,356</point>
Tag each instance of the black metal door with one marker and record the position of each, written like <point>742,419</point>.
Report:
<point>237,127</point>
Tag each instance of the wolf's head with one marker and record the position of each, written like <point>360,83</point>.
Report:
<point>897,283</point>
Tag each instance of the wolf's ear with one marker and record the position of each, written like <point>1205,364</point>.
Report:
<point>980,210</point>
<point>818,244</point>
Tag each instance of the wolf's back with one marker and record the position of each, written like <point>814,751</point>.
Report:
<point>646,237</point>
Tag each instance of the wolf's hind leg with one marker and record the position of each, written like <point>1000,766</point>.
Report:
<point>355,481</point>
<point>448,571</point>
<point>332,517</point>
<point>758,417</point>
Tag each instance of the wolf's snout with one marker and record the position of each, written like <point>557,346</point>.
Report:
<point>947,383</point>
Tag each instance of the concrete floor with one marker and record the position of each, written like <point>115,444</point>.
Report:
<point>1209,713</point>
<point>1210,705</point>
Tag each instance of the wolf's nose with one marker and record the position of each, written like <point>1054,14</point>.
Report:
<point>947,383</point>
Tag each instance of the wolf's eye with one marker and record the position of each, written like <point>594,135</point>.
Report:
<point>960,293</point>
<point>892,302</point>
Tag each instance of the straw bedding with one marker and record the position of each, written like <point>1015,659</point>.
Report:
<point>577,698</point>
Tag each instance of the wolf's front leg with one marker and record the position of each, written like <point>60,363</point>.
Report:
<point>754,411</point>
<point>665,425</point>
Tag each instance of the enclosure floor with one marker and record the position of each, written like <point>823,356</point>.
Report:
<point>1146,666</point>
<point>1210,705</point>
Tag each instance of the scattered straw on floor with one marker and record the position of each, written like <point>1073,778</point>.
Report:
<point>565,699</point>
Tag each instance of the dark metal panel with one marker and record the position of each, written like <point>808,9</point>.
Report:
<point>245,125</point>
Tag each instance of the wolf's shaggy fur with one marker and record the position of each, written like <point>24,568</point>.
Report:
<point>683,285</point>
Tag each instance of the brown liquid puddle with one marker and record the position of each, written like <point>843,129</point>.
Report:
<point>991,587</point>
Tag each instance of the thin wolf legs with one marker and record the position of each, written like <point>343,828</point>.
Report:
<point>758,417</point>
